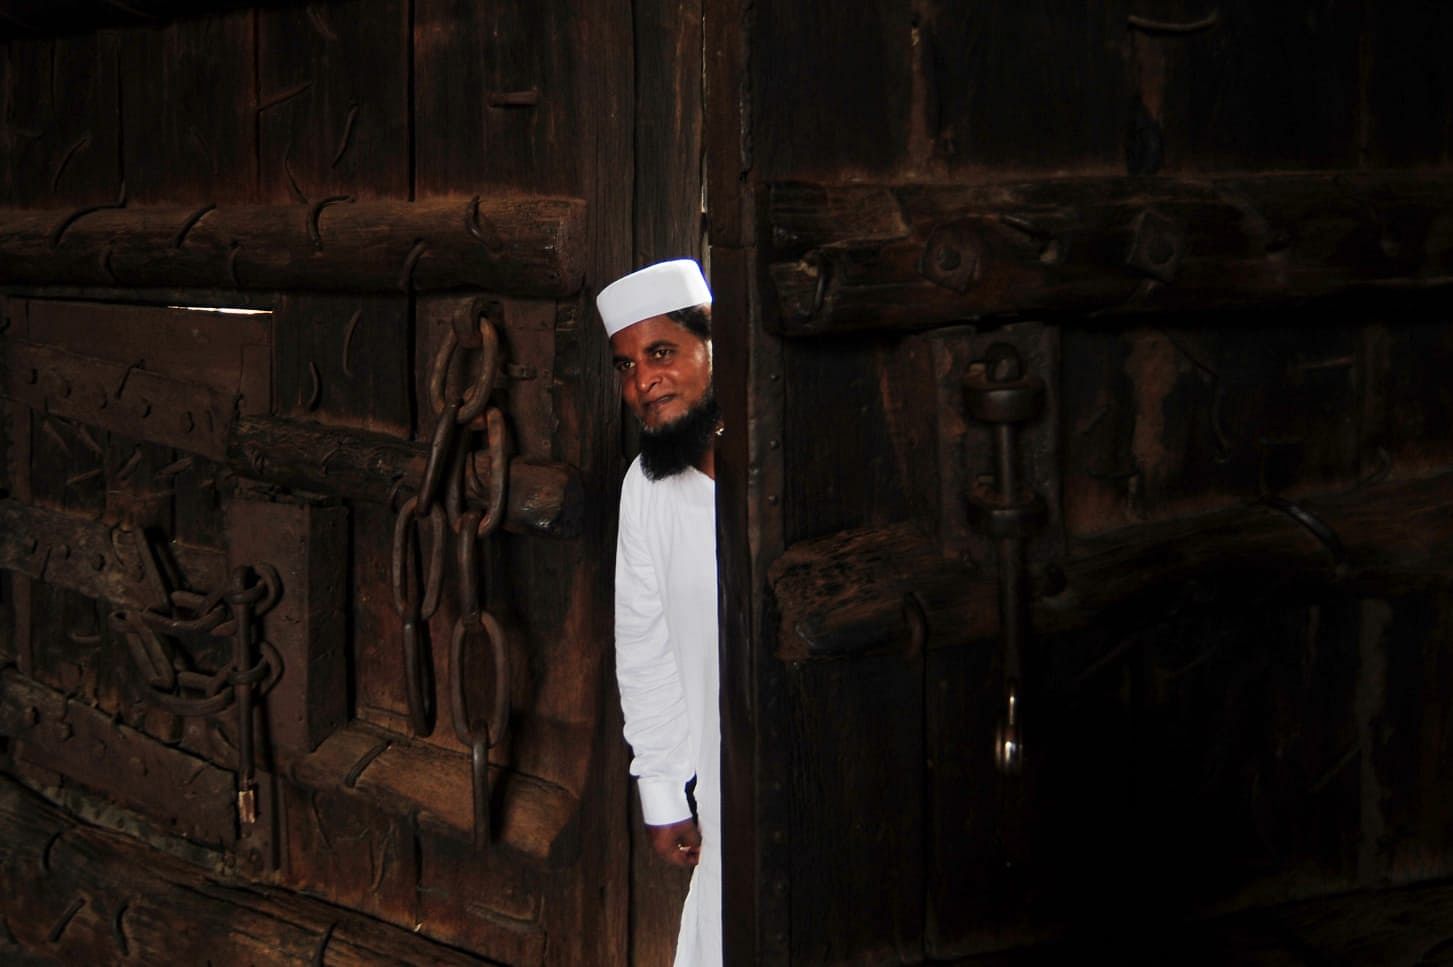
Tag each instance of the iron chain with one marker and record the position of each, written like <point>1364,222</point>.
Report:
<point>445,501</point>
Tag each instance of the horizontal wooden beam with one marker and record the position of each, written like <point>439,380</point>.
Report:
<point>543,499</point>
<point>864,591</point>
<point>536,818</point>
<point>507,244</point>
<point>191,796</point>
<point>77,894</point>
<point>849,257</point>
<point>92,557</point>
<point>21,18</point>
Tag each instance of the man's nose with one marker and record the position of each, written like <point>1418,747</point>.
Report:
<point>645,378</point>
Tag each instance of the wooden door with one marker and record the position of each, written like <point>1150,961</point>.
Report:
<point>236,246</point>
<point>1215,243</point>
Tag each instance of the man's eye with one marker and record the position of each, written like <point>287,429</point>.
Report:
<point>623,365</point>
<point>662,353</point>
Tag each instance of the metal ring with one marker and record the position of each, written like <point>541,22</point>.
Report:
<point>468,562</point>
<point>498,469</point>
<point>499,714</point>
<point>439,455</point>
<point>401,549</point>
<point>477,398</point>
<point>479,788</point>
<point>418,682</point>
<point>499,720</point>
<point>434,576</point>
<point>439,370</point>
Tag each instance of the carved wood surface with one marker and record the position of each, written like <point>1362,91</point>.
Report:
<point>543,499</point>
<point>78,894</point>
<point>515,244</point>
<point>845,593</point>
<point>535,818</point>
<point>196,798</point>
<point>911,256</point>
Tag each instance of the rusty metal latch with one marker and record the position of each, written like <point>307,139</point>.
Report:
<point>999,393</point>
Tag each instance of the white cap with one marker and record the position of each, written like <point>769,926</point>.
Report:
<point>652,291</point>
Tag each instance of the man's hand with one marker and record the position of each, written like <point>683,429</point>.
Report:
<point>678,844</point>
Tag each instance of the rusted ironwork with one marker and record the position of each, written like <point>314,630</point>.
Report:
<point>416,599</point>
<point>998,392</point>
<point>442,497</point>
<point>220,614</point>
<point>451,494</point>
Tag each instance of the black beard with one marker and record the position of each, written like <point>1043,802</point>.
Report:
<point>683,443</point>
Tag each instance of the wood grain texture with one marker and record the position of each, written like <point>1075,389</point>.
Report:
<point>506,243</point>
<point>844,593</point>
<point>62,121</point>
<point>905,257</point>
<point>79,893</point>
<point>332,104</point>
<point>186,99</point>
<point>668,130</point>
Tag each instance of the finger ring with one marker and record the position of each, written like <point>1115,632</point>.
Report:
<point>683,847</point>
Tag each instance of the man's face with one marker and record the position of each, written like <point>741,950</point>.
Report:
<point>664,370</point>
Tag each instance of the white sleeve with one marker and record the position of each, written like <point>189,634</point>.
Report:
<point>652,698</point>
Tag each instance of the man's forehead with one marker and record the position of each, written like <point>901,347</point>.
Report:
<point>650,331</point>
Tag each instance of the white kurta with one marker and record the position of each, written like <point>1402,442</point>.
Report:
<point>666,665</point>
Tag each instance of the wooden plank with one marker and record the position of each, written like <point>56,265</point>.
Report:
<point>187,95</point>
<point>343,360</point>
<point>341,846</point>
<point>134,402</point>
<point>543,499</point>
<point>1099,245</point>
<point>333,113</point>
<point>306,545</point>
<point>756,711</point>
<point>536,818</point>
<point>508,243</point>
<point>991,83</point>
<point>1175,419</point>
<point>1403,81</point>
<point>195,798</point>
<point>64,550</point>
<point>834,68</point>
<point>527,64</point>
<point>225,350</point>
<point>855,780</point>
<point>28,18</point>
<point>62,122</point>
<point>844,593</point>
<point>81,894</point>
<point>1240,69</point>
<point>669,124</point>
<point>481,903</point>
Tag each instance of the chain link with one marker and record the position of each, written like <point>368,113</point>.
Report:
<point>441,499</point>
<point>230,613</point>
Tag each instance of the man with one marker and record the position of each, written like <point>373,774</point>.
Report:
<point>659,322</point>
